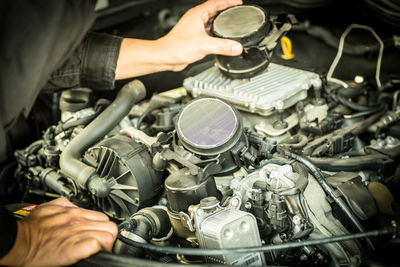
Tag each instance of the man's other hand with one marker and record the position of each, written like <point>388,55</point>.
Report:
<point>59,233</point>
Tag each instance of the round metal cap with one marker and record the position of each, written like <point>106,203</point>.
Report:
<point>247,24</point>
<point>207,123</point>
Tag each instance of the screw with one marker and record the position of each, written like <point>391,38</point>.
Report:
<point>234,202</point>
<point>280,123</point>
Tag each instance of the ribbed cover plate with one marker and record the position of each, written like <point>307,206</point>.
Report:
<point>277,86</point>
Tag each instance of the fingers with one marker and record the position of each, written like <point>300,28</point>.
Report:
<point>62,201</point>
<point>108,227</point>
<point>105,241</point>
<point>85,248</point>
<point>65,212</point>
<point>220,46</point>
<point>87,214</point>
<point>88,244</point>
<point>210,8</point>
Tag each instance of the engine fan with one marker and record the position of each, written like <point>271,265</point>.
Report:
<point>123,163</point>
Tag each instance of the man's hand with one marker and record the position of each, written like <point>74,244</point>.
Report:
<point>189,40</point>
<point>59,233</point>
<point>186,43</point>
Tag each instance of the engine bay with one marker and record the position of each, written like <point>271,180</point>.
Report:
<point>253,161</point>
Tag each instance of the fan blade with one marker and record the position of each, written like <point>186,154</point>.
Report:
<point>123,187</point>
<point>122,175</point>
<point>102,158</point>
<point>123,196</point>
<point>112,205</point>
<point>107,165</point>
<point>121,204</point>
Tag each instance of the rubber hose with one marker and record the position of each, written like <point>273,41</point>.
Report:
<point>355,106</point>
<point>70,159</point>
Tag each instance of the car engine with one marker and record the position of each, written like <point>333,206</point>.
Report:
<point>252,162</point>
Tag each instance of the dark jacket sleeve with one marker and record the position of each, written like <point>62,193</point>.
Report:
<point>8,231</point>
<point>45,44</point>
<point>38,36</point>
<point>91,65</point>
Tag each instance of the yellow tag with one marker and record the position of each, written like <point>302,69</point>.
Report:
<point>286,45</point>
<point>22,212</point>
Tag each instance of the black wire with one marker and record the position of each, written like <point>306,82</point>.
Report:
<point>289,245</point>
<point>363,113</point>
<point>367,122</point>
<point>342,100</point>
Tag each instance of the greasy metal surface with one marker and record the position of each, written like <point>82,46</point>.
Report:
<point>239,21</point>
<point>229,228</point>
<point>258,94</point>
<point>207,123</point>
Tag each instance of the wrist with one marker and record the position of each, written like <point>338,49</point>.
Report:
<point>170,54</point>
<point>19,251</point>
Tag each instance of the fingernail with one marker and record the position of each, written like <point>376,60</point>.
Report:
<point>236,49</point>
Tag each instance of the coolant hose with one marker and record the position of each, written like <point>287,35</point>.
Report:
<point>70,159</point>
<point>143,226</point>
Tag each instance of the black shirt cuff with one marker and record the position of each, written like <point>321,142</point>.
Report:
<point>99,60</point>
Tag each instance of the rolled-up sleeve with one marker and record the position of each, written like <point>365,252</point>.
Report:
<point>91,65</point>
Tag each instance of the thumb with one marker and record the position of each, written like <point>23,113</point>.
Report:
<point>221,46</point>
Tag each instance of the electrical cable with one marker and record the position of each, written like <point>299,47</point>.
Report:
<point>340,52</point>
<point>367,122</point>
<point>363,113</point>
<point>355,106</point>
<point>289,245</point>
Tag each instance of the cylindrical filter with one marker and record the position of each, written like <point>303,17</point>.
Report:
<point>249,25</point>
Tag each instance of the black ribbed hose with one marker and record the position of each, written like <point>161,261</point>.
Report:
<point>70,159</point>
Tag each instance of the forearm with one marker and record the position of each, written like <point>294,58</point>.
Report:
<point>139,57</point>
<point>16,255</point>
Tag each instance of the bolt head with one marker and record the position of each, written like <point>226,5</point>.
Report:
<point>248,205</point>
<point>234,202</point>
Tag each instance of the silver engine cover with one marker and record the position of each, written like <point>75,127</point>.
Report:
<point>278,87</point>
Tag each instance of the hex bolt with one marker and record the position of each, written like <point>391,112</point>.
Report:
<point>248,205</point>
<point>318,101</point>
<point>280,124</point>
<point>234,202</point>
